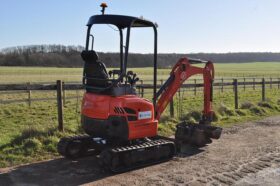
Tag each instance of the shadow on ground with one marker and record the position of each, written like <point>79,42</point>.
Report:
<point>187,151</point>
<point>63,171</point>
<point>55,172</point>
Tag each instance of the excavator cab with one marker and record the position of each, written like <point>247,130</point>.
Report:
<point>111,109</point>
<point>115,82</point>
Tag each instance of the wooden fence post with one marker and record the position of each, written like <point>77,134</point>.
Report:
<point>270,82</point>
<point>142,89</point>
<point>29,94</point>
<point>171,108</point>
<point>235,85</point>
<point>263,89</point>
<point>63,94</point>
<point>59,105</point>
<point>278,83</point>
<point>254,84</point>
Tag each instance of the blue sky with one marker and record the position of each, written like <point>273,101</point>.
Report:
<point>184,25</point>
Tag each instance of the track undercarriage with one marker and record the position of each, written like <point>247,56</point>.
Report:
<point>119,156</point>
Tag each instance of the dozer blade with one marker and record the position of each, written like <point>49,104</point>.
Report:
<point>196,134</point>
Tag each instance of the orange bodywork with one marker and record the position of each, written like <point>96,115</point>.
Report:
<point>145,116</point>
<point>102,106</point>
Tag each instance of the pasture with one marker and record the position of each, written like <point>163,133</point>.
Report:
<point>51,74</point>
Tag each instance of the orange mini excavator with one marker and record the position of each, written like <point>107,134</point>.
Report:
<point>121,127</point>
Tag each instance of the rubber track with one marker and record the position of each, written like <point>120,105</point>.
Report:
<point>146,145</point>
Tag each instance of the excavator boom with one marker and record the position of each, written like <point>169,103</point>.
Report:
<point>182,71</point>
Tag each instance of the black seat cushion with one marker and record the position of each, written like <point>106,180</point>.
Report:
<point>94,69</point>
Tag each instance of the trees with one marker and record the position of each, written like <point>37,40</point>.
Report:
<point>69,56</point>
<point>41,55</point>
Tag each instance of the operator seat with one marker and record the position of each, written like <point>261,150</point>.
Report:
<point>93,68</point>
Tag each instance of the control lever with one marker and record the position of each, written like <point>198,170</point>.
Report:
<point>114,72</point>
<point>135,79</point>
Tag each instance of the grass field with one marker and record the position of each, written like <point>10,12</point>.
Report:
<point>49,74</point>
<point>30,134</point>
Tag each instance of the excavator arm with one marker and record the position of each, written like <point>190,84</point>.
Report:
<point>189,133</point>
<point>182,71</point>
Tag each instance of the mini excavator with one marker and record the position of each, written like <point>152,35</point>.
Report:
<point>121,127</point>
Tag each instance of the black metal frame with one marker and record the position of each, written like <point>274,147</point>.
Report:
<point>125,22</point>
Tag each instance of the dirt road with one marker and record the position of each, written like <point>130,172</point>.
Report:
<point>247,154</point>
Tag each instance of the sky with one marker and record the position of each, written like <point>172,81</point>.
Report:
<point>185,26</point>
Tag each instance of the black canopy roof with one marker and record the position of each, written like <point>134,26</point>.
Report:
<point>119,20</point>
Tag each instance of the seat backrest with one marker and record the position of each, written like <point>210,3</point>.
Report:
<point>94,69</point>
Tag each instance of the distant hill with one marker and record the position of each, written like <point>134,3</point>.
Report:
<point>69,56</point>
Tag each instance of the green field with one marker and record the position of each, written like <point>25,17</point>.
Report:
<point>30,134</point>
<point>50,74</point>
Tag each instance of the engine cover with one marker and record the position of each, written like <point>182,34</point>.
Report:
<point>126,117</point>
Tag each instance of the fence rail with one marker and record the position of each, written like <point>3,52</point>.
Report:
<point>60,88</point>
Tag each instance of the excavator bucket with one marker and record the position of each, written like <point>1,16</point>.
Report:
<point>196,134</point>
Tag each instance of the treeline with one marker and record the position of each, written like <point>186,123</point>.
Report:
<point>69,56</point>
<point>42,55</point>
